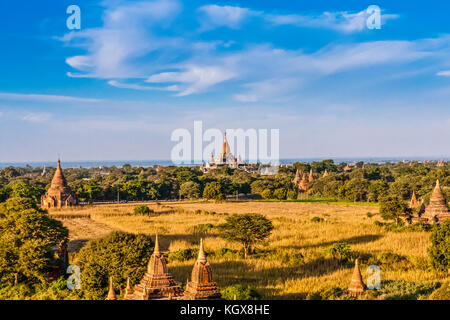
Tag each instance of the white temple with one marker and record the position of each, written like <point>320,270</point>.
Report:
<point>224,159</point>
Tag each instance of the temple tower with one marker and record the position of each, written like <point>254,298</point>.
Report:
<point>311,177</point>
<point>201,286</point>
<point>157,283</point>
<point>59,194</point>
<point>356,286</point>
<point>438,209</point>
<point>413,203</point>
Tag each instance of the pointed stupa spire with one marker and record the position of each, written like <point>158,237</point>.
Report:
<point>201,252</point>
<point>111,293</point>
<point>156,250</point>
<point>311,177</point>
<point>413,203</point>
<point>325,174</point>
<point>356,286</point>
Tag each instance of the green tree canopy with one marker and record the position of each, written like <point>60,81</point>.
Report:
<point>248,229</point>
<point>27,235</point>
<point>119,255</point>
<point>213,191</point>
<point>440,246</point>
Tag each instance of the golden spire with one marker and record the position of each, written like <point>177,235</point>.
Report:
<point>224,146</point>
<point>111,293</point>
<point>201,252</point>
<point>156,250</point>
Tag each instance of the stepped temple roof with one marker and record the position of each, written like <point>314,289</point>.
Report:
<point>438,209</point>
<point>59,194</point>
<point>201,286</point>
<point>157,283</point>
<point>356,286</point>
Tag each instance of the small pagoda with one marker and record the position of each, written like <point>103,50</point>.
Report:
<point>157,283</point>
<point>414,203</point>
<point>303,185</point>
<point>356,286</point>
<point>311,176</point>
<point>437,210</point>
<point>59,195</point>
<point>201,286</point>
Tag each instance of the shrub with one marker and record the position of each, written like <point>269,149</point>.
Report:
<point>266,194</point>
<point>406,290</point>
<point>340,251</point>
<point>203,228</point>
<point>183,255</point>
<point>291,195</point>
<point>328,294</point>
<point>440,244</point>
<point>317,219</point>
<point>280,194</point>
<point>239,292</point>
<point>142,210</point>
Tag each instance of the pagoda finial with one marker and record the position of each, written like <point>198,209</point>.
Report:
<point>111,293</point>
<point>156,251</point>
<point>201,252</point>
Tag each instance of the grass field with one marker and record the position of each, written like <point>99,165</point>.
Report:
<point>294,233</point>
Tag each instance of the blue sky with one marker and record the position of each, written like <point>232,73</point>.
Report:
<point>137,70</point>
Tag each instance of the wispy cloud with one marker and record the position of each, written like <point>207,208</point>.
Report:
<point>445,73</point>
<point>43,97</point>
<point>342,21</point>
<point>135,86</point>
<point>195,78</point>
<point>213,16</point>
<point>36,117</point>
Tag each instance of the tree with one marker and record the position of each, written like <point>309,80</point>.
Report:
<point>266,194</point>
<point>394,208</point>
<point>190,190</point>
<point>248,229</point>
<point>27,235</point>
<point>280,194</point>
<point>119,255</point>
<point>21,189</point>
<point>440,246</point>
<point>213,191</point>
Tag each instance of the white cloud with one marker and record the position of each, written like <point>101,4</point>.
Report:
<point>135,86</point>
<point>36,117</point>
<point>214,16</point>
<point>195,78</point>
<point>124,38</point>
<point>342,21</point>
<point>445,73</point>
<point>43,97</point>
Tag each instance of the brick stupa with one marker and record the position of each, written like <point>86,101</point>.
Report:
<point>413,203</point>
<point>59,194</point>
<point>437,210</point>
<point>157,283</point>
<point>356,286</point>
<point>201,286</point>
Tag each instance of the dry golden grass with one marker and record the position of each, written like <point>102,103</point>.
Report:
<point>294,232</point>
